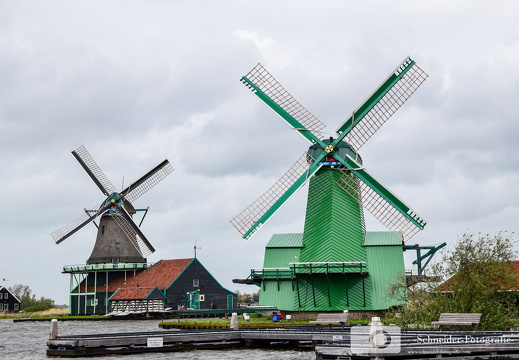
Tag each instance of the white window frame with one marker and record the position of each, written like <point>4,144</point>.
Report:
<point>16,306</point>
<point>196,283</point>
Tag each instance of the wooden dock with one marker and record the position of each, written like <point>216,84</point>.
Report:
<point>163,341</point>
<point>331,343</point>
<point>426,344</point>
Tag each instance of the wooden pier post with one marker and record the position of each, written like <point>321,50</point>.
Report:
<point>234,321</point>
<point>376,336</point>
<point>53,329</point>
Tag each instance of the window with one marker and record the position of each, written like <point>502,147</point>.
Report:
<point>1,307</point>
<point>102,230</point>
<point>117,245</point>
<point>5,297</point>
<point>6,307</point>
<point>196,283</point>
<point>1,295</point>
<point>16,306</point>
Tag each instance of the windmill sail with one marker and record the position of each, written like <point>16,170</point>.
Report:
<point>92,169</point>
<point>256,214</point>
<point>380,208</point>
<point>132,232</point>
<point>147,181</point>
<point>259,79</point>
<point>71,228</point>
<point>363,123</point>
<point>382,103</point>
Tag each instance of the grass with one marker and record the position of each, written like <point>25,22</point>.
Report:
<point>255,321</point>
<point>54,313</point>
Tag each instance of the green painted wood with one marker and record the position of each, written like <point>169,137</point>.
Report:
<point>386,268</point>
<point>335,292</point>
<point>285,240</point>
<point>333,233</point>
<point>384,192</point>
<point>281,293</point>
<point>296,125</point>
<point>333,224</point>
<point>280,257</point>
<point>374,98</point>
<point>284,197</point>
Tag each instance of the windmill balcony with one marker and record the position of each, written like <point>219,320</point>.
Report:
<point>82,269</point>
<point>309,268</point>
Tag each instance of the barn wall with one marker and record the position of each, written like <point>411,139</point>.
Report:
<point>216,296</point>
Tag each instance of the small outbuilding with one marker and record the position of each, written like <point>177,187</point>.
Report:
<point>8,302</point>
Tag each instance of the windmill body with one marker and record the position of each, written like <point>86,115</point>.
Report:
<point>113,246</point>
<point>335,264</point>
<point>120,248</point>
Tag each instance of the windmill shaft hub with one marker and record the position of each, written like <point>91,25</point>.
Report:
<point>341,149</point>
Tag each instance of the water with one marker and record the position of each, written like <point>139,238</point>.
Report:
<point>28,341</point>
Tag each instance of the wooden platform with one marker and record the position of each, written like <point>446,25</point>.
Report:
<point>329,344</point>
<point>427,344</point>
<point>103,344</point>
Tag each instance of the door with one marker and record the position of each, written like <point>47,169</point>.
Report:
<point>229,302</point>
<point>192,300</point>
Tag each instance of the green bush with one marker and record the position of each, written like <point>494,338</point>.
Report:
<point>474,276</point>
<point>36,308</point>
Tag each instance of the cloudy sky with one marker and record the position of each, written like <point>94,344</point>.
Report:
<point>139,81</point>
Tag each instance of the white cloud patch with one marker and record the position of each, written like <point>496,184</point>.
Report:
<point>137,82</point>
<point>276,54</point>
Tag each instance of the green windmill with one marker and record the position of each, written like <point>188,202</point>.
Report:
<point>335,264</point>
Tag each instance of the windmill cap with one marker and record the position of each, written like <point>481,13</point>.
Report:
<point>342,149</point>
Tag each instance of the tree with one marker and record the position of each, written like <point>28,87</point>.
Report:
<point>28,299</point>
<point>475,276</point>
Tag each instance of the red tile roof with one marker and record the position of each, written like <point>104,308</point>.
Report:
<point>160,275</point>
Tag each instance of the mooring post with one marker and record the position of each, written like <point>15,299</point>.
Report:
<point>376,336</point>
<point>347,317</point>
<point>234,321</point>
<point>53,329</point>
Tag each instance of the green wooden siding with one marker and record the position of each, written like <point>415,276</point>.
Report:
<point>386,267</point>
<point>275,258</point>
<point>335,292</point>
<point>278,293</point>
<point>333,233</point>
<point>294,240</point>
<point>333,225</point>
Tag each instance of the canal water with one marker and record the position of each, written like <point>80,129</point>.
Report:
<point>28,341</point>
